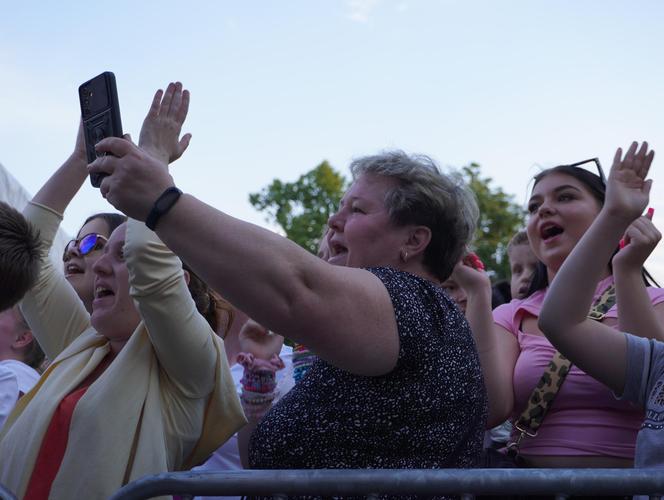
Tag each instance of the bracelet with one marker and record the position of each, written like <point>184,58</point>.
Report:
<point>303,359</point>
<point>162,205</point>
<point>256,404</point>
<point>256,398</point>
<point>259,381</point>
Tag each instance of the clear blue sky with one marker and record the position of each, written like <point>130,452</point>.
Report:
<point>278,86</point>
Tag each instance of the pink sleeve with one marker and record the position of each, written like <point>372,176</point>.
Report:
<point>503,315</point>
<point>656,295</point>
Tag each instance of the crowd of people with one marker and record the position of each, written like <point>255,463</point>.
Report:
<point>159,345</point>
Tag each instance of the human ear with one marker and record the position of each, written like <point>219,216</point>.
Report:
<point>419,238</point>
<point>23,339</point>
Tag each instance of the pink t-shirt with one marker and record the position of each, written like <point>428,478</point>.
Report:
<point>585,419</point>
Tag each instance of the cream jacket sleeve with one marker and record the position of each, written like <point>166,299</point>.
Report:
<point>52,308</point>
<point>181,337</point>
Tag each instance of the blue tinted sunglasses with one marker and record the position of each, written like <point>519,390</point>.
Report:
<point>85,245</point>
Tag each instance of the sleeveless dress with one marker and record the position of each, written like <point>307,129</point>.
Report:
<point>429,412</point>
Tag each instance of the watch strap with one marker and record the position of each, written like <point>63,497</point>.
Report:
<point>162,205</point>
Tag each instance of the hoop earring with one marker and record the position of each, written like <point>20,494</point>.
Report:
<point>404,256</point>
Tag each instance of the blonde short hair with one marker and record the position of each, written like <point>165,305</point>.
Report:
<point>425,196</point>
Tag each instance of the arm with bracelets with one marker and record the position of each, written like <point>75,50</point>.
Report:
<point>259,355</point>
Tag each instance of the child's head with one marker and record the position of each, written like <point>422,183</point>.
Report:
<point>522,264</point>
<point>456,293</point>
<point>19,256</point>
<point>16,340</point>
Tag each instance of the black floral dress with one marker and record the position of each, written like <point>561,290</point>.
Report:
<point>429,412</point>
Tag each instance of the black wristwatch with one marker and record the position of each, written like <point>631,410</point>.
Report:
<point>163,204</point>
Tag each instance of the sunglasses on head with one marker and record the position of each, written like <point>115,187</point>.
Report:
<point>85,245</point>
<point>600,170</point>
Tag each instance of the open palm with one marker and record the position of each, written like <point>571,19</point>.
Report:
<point>160,133</point>
<point>628,191</point>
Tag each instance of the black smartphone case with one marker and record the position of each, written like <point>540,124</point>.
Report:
<point>100,111</point>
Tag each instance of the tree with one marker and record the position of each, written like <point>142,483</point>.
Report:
<point>303,207</point>
<point>500,219</point>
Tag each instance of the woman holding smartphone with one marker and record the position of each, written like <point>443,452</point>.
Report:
<point>141,385</point>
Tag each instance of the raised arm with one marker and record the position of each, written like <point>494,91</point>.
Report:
<point>564,315</point>
<point>269,277</point>
<point>281,285</point>
<point>636,315</point>
<point>52,308</point>
<point>160,133</point>
<point>63,185</point>
<point>497,348</point>
<point>183,340</point>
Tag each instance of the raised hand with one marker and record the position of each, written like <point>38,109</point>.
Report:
<point>134,178</point>
<point>258,341</point>
<point>160,133</point>
<point>470,276</point>
<point>627,190</point>
<point>640,239</point>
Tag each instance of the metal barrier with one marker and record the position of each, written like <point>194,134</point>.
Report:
<point>464,482</point>
<point>5,494</point>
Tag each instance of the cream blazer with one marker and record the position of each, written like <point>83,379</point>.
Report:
<point>165,403</point>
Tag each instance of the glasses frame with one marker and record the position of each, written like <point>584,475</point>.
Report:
<point>77,244</point>
<point>600,170</point>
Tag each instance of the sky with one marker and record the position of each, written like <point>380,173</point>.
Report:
<point>279,86</point>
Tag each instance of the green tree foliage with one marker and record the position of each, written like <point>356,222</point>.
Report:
<point>500,219</point>
<point>302,207</point>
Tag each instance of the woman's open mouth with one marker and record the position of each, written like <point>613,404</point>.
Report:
<point>549,231</point>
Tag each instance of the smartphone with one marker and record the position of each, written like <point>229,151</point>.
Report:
<point>100,111</point>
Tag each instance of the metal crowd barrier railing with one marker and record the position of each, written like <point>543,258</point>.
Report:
<point>5,494</point>
<point>464,482</point>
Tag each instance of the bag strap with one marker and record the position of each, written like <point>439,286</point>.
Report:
<point>552,379</point>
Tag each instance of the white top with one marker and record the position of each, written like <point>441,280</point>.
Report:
<point>227,457</point>
<point>16,378</point>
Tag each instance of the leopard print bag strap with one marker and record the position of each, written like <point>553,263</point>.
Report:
<point>552,379</point>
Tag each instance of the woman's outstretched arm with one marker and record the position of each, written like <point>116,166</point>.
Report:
<point>269,277</point>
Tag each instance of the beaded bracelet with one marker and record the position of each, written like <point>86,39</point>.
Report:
<point>259,383</point>
<point>303,358</point>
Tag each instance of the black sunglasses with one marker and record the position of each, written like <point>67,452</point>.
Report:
<point>600,171</point>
